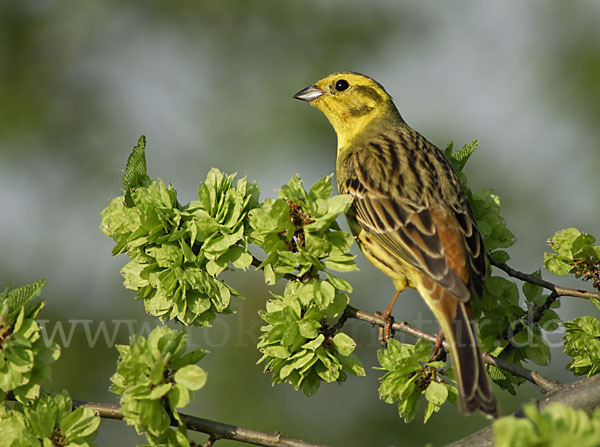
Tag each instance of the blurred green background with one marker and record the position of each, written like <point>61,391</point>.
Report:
<point>211,84</point>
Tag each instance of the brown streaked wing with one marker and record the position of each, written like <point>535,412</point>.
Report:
<point>408,231</point>
<point>474,245</point>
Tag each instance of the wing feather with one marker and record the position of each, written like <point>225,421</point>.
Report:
<point>420,234</point>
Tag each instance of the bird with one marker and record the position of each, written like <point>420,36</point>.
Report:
<point>410,217</point>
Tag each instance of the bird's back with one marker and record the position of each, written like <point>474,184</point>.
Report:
<point>398,179</point>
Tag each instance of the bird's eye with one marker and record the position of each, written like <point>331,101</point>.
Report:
<point>341,85</point>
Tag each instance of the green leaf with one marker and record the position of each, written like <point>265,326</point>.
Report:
<point>309,328</point>
<point>486,207</point>
<point>562,241</point>
<point>533,292</point>
<point>14,429</point>
<point>324,293</point>
<point>80,423</point>
<point>314,344</point>
<point>460,157</point>
<point>341,263</point>
<point>510,431</point>
<point>18,298</point>
<point>559,265</point>
<point>277,351</point>
<point>406,366</point>
<point>135,171</point>
<point>189,358</point>
<point>191,376</point>
<point>582,343</point>
<point>339,204</point>
<point>24,358</point>
<point>321,189</point>
<point>409,405</point>
<point>159,391</point>
<point>148,370</point>
<point>177,251</point>
<point>180,396</point>
<point>538,351</point>
<point>46,417</point>
<point>557,425</point>
<point>500,255</point>
<point>502,378</point>
<point>436,393</point>
<point>344,343</point>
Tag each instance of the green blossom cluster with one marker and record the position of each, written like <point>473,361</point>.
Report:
<point>177,252</point>
<point>555,426</point>
<point>302,241</point>
<point>154,377</point>
<point>48,421</point>
<point>574,253</point>
<point>411,374</point>
<point>24,357</point>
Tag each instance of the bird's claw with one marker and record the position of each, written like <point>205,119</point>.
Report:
<point>438,352</point>
<point>386,331</point>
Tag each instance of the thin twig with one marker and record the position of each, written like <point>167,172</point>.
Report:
<point>217,430</point>
<point>560,291</point>
<point>545,384</point>
<point>539,312</point>
<point>510,332</point>
<point>556,292</point>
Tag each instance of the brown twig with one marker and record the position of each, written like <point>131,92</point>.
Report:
<point>560,291</point>
<point>556,292</point>
<point>217,430</point>
<point>532,318</point>
<point>545,384</point>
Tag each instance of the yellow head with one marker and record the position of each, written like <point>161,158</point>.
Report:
<point>350,101</point>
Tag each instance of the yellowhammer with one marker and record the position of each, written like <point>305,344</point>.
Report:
<point>410,216</point>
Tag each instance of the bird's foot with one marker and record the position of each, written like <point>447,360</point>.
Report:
<point>438,352</point>
<point>385,331</point>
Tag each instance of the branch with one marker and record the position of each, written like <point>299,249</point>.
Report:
<point>545,384</point>
<point>558,290</point>
<point>583,394</point>
<point>217,430</point>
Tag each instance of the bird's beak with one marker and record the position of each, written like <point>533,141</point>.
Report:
<point>309,93</point>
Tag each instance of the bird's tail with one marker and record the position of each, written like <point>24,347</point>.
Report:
<point>474,389</point>
<point>474,386</point>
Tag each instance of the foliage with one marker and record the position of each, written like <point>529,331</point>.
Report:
<point>155,377</point>
<point>582,343</point>
<point>556,426</point>
<point>177,252</point>
<point>49,421</point>
<point>297,345</point>
<point>24,358</point>
<point>575,253</point>
<point>410,375</point>
<point>299,234</point>
<point>506,328</point>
